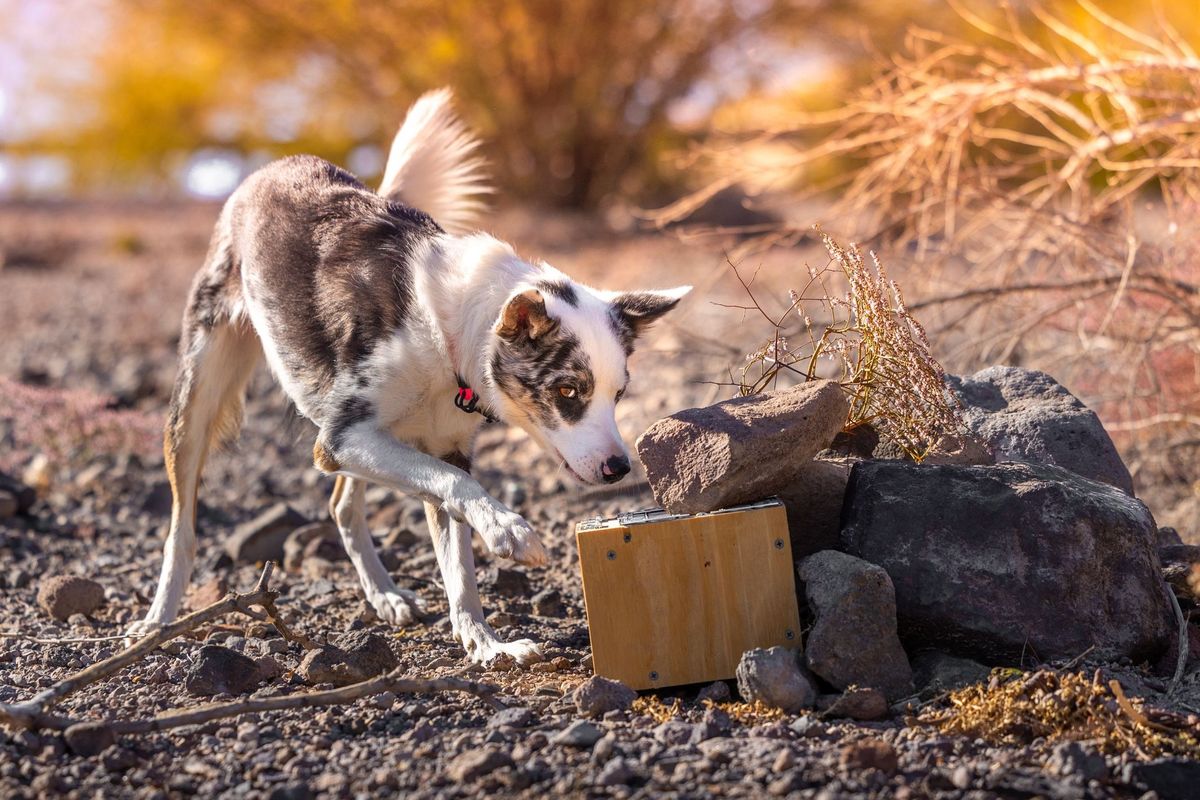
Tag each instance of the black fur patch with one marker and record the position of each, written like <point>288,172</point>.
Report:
<point>329,261</point>
<point>531,373</point>
<point>633,312</point>
<point>562,290</point>
<point>349,413</point>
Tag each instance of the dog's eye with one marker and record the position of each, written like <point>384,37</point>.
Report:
<point>568,392</point>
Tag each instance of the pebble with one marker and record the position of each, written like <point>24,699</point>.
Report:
<point>617,772</point>
<point>580,733</point>
<point>774,677</point>
<point>597,696</point>
<point>61,596</point>
<point>474,764</point>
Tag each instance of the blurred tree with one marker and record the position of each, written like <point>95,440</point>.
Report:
<point>573,97</point>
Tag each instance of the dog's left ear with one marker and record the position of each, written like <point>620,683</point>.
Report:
<point>637,310</point>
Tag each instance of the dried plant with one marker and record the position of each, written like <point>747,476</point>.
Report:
<point>1047,184</point>
<point>867,340</point>
<point>1060,706</point>
<point>68,427</point>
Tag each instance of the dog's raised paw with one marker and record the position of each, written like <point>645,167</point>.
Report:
<point>400,607</point>
<point>508,535</point>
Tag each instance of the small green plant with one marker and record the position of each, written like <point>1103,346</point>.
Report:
<point>866,340</point>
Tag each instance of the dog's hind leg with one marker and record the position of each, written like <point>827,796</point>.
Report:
<point>452,545</point>
<point>206,409</point>
<point>346,505</point>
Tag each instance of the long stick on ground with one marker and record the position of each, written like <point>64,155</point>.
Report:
<point>33,713</point>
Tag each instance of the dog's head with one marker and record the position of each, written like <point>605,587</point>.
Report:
<point>558,365</point>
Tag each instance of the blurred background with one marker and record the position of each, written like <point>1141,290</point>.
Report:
<point>1028,172</point>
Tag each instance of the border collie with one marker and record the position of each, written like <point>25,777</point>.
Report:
<point>384,318</point>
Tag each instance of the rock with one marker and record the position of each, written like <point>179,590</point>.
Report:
<point>864,704</point>
<point>579,733</point>
<point>814,506</point>
<point>262,538</point>
<point>8,504</point>
<point>24,494</point>
<point>220,670</point>
<point>60,596</point>
<point>996,562</point>
<point>515,717</point>
<point>853,641</point>
<point>352,657</point>
<point>504,581</point>
<point>548,603</point>
<point>474,764</point>
<point>1168,537</point>
<point>739,450</point>
<point>1026,415</point>
<point>869,754</point>
<point>617,772</point>
<point>89,739</point>
<point>1170,778</point>
<point>211,591</point>
<point>314,540</point>
<point>774,676</point>
<point>596,696</point>
<point>715,692</point>
<point>935,672</point>
<point>1072,759</point>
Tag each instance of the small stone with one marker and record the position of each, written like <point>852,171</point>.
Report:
<point>548,603</point>
<point>474,764</point>
<point>316,540</point>
<point>384,700</point>
<point>596,696</point>
<point>352,657</point>
<point>89,738</point>
<point>715,692</point>
<point>1072,759</point>
<point>503,619</point>
<point>673,732</point>
<point>864,704</point>
<point>220,670</point>
<point>504,581</point>
<point>262,538</point>
<point>211,591</point>
<point>774,676</point>
<point>580,733</point>
<point>515,717</point>
<point>869,754</point>
<point>61,596</point>
<point>617,772</point>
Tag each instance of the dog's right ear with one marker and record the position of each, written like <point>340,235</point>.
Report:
<point>524,317</point>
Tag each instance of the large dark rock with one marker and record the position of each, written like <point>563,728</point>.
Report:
<point>740,450</point>
<point>1010,561</point>
<point>853,640</point>
<point>1026,415</point>
<point>814,506</point>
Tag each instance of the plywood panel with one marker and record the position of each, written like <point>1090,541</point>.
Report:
<point>679,601</point>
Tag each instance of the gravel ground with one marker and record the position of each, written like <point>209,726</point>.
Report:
<point>91,297</point>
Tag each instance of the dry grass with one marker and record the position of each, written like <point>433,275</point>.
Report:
<point>1045,185</point>
<point>1064,706</point>
<point>866,339</point>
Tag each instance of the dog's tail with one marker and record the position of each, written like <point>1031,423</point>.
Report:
<point>434,165</point>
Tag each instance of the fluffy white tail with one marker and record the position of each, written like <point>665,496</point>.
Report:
<point>433,165</point>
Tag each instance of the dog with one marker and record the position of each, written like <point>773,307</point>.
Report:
<point>397,331</point>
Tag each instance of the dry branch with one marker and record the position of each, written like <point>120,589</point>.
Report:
<point>35,713</point>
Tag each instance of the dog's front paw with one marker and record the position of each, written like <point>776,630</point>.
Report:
<point>483,647</point>
<point>400,607</point>
<point>140,630</point>
<point>506,534</point>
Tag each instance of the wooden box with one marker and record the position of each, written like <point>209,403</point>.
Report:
<point>677,599</point>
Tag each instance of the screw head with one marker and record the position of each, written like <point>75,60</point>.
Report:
<point>612,555</point>
<point>653,675</point>
<point>789,634</point>
<point>779,544</point>
<point>628,538</point>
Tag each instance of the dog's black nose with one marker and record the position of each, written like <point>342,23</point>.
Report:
<point>615,468</point>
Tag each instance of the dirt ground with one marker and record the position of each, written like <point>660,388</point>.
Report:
<point>90,300</point>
